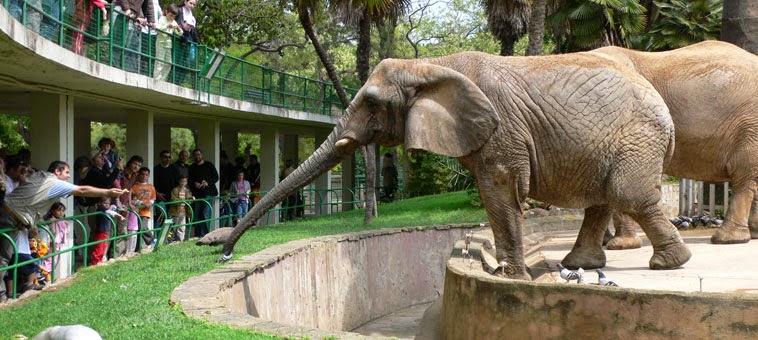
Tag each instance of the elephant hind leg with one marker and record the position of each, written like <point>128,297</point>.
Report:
<point>753,221</point>
<point>735,228</point>
<point>669,250</point>
<point>626,233</point>
<point>588,248</point>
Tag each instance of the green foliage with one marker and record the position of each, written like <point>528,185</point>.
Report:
<point>431,174</point>
<point>181,139</point>
<point>245,139</point>
<point>586,24</point>
<point>130,299</point>
<point>474,198</point>
<point>10,137</point>
<point>114,131</point>
<point>676,23</point>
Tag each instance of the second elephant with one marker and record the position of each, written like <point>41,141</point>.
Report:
<point>711,90</point>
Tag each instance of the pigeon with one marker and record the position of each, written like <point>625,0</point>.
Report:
<point>567,274</point>
<point>581,280</point>
<point>602,280</point>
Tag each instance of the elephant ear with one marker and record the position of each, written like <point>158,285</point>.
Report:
<point>450,115</point>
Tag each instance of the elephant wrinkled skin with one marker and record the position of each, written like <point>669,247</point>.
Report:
<point>711,90</point>
<point>572,130</point>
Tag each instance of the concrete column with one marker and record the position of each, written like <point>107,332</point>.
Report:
<point>229,143</point>
<point>140,137</point>
<point>269,160</point>
<point>82,138</point>
<point>323,183</point>
<point>726,197</point>
<point>712,199</point>
<point>348,181</point>
<point>682,196</point>
<point>53,139</point>
<point>700,203</point>
<point>290,148</point>
<point>209,140</point>
<point>162,141</point>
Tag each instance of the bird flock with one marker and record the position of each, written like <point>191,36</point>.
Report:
<point>578,276</point>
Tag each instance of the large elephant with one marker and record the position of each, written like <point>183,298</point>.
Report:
<point>572,130</point>
<point>711,90</point>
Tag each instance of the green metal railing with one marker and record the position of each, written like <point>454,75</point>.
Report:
<point>120,42</point>
<point>163,227</point>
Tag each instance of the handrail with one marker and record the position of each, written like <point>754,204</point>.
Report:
<point>122,44</point>
<point>160,214</point>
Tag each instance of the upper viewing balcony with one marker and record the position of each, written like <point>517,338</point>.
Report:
<point>198,79</point>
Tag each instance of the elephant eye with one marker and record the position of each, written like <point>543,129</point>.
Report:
<point>372,105</point>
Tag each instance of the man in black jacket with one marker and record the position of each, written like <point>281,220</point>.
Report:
<point>202,181</point>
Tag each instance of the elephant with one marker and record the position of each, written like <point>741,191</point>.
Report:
<point>572,130</point>
<point>711,90</point>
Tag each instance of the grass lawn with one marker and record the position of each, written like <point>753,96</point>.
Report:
<point>130,299</point>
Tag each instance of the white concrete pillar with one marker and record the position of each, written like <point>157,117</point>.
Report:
<point>290,148</point>
<point>712,199</point>
<point>726,197</point>
<point>209,140</point>
<point>53,139</point>
<point>682,196</point>
<point>269,160</point>
<point>82,138</point>
<point>323,184</point>
<point>700,200</point>
<point>162,141</point>
<point>229,143</point>
<point>348,182</point>
<point>140,138</point>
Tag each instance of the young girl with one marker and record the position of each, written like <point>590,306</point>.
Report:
<point>59,228</point>
<point>177,211</point>
<point>239,191</point>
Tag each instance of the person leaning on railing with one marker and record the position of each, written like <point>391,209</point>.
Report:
<point>185,52</point>
<point>33,197</point>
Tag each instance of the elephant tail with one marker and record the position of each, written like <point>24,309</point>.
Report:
<point>669,149</point>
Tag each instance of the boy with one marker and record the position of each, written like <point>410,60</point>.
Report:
<point>103,227</point>
<point>169,27</point>
<point>177,211</point>
<point>143,197</point>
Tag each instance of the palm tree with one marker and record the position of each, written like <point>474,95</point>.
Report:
<point>677,23</point>
<point>586,24</point>
<point>507,20</point>
<point>741,18</point>
<point>536,27</point>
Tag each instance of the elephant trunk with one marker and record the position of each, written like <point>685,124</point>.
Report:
<point>323,159</point>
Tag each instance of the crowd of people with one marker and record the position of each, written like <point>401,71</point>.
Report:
<point>118,199</point>
<point>148,35</point>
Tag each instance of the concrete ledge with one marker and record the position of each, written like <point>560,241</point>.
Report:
<point>323,286</point>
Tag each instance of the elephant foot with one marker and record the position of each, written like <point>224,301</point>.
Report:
<point>670,257</point>
<point>587,259</point>
<point>607,237</point>
<point>731,234</point>
<point>517,273</point>
<point>624,242</point>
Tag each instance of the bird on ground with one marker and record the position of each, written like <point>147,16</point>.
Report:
<point>569,275</point>
<point>603,280</point>
<point>581,279</point>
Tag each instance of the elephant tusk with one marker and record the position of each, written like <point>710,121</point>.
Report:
<point>342,142</point>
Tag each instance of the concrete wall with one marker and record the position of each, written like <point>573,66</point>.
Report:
<point>493,308</point>
<point>324,286</point>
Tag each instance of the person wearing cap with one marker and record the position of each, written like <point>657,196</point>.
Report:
<point>26,205</point>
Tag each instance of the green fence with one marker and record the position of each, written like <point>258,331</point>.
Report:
<point>311,201</point>
<point>119,41</point>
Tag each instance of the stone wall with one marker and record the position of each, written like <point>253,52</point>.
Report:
<point>482,306</point>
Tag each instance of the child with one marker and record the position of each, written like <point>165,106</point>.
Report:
<point>143,196</point>
<point>169,27</point>
<point>26,273</point>
<point>177,211</point>
<point>239,191</point>
<point>103,227</point>
<point>59,229</point>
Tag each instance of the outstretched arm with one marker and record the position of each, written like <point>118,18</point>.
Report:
<point>90,191</point>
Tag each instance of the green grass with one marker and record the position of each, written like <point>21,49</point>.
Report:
<point>130,299</point>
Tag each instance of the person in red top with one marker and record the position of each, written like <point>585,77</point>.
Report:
<point>143,197</point>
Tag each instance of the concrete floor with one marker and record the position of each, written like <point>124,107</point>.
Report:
<point>724,268</point>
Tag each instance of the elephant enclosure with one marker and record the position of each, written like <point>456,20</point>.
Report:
<point>329,286</point>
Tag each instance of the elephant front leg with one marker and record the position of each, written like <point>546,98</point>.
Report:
<point>753,222</point>
<point>626,235</point>
<point>506,220</point>
<point>669,250</point>
<point>735,228</point>
<point>588,248</point>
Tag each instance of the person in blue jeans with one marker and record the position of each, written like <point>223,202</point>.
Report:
<point>239,193</point>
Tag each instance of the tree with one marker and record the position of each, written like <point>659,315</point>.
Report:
<point>579,25</point>
<point>676,23</point>
<point>741,24</point>
<point>507,20</point>
<point>536,27</point>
